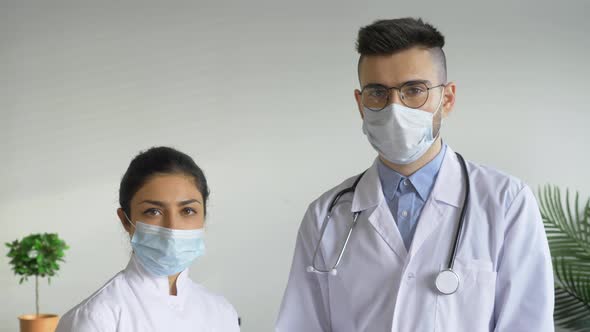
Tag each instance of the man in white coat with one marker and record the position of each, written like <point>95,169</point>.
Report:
<point>408,207</point>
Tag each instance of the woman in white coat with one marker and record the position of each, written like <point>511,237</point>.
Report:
<point>162,198</point>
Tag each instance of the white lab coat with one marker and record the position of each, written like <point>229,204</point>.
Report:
<point>135,300</point>
<point>503,261</point>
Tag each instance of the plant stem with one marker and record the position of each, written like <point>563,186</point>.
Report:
<point>37,295</point>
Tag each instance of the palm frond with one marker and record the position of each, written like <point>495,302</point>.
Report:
<point>570,312</point>
<point>568,232</point>
<point>567,225</point>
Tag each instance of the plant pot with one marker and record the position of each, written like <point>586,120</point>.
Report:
<point>38,323</point>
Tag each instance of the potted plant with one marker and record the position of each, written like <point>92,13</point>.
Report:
<point>37,255</point>
<point>567,224</point>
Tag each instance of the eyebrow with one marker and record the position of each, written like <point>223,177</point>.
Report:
<point>161,204</point>
<point>427,82</point>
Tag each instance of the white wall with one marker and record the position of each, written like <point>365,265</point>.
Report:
<point>260,94</point>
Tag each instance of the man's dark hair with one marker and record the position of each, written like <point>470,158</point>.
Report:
<point>386,37</point>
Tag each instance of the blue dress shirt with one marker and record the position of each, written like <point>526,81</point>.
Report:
<point>406,196</point>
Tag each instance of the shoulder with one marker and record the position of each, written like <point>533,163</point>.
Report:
<point>98,311</point>
<point>218,309</point>
<point>495,186</point>
<point>320,205</point>
<point>504,198</point>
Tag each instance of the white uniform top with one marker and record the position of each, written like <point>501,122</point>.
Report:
<point>135,300</point>
<point>503,261</point>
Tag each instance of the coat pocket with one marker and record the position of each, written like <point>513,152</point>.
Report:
<point>471,308</point>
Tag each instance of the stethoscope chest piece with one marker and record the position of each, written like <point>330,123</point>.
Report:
<point>447,282</point>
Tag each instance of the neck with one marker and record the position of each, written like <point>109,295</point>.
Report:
<point>172,283</point>
<point>409,169</point>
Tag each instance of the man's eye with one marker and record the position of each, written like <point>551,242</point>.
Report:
<point>414,91</point>
<point>378,93</point>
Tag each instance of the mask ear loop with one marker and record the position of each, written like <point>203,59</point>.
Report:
<point>128,220</point>
<point>438,108</point>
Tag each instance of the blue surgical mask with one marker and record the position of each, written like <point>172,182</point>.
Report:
<point>164,251</point>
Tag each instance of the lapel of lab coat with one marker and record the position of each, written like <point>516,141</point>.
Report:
<point>447,193</point>
<point>369,194</point>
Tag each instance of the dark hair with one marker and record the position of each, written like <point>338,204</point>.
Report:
<point>385,37</point>
<point>159,160</point>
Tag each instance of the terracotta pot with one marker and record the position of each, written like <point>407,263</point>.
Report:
<point>41,323</point>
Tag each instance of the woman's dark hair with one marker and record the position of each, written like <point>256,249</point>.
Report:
<point>155,161</point>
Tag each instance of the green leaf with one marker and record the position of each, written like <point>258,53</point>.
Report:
<point>36,255</point>
<point>571,312</point>
<point>567,225</point>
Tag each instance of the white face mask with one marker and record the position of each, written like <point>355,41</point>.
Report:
<point>401,134</point>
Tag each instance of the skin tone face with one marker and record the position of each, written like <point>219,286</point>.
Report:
<point>167,200</point>
<point>414,64</point>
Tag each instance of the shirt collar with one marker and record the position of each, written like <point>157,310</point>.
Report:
<point>389,179</point>
<point>137,275</point>
<point>422,180</point>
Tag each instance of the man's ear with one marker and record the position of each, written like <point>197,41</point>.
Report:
<point>357,97</point>
<point>448,105</point>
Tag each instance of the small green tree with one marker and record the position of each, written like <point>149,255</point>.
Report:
<point>36,255</point>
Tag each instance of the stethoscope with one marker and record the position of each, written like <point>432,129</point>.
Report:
<point>446,282</point>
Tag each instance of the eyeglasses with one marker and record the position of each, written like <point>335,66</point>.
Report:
<point>413,94</point>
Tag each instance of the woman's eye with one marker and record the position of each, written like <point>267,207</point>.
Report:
<point>188,211</point>
<point>153,212</point>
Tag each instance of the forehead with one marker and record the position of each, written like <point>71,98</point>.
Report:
<point>168,187</point>
<point>392,70</point>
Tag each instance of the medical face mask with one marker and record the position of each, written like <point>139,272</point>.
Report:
<point>401,134</point>
<point>163,251</point>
